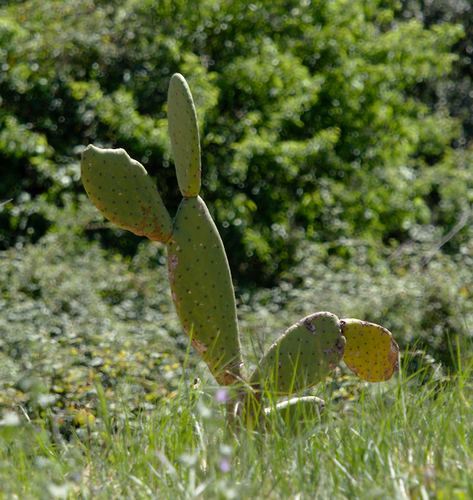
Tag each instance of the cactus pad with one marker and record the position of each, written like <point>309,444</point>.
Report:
<point>184,132</point>
<point>371,352</point>
<point>124,193</point>
<point>202,290</point>
<point>303,355</point>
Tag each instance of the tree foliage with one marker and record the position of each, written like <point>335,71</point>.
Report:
<point>321,121</point>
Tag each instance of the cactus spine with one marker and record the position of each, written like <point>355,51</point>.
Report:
<point>201,282</point>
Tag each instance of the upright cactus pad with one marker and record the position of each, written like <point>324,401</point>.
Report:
<point>303,355</point>
<point>371,352</point>
<point>202,290</point>
<point>124,193</point>
<point>184,132</point>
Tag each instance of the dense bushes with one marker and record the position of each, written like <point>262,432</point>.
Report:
<point>335,140</point>
<point>314,123</point>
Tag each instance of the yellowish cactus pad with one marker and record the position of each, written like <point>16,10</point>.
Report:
<point>371,353</point>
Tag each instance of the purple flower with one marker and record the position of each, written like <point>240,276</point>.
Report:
<point>222,395</point>
<point>224,465</point>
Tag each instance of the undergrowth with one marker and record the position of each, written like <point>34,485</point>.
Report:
<point>410,438</point>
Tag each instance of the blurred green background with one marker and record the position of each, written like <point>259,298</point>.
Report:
<point>337,163</point>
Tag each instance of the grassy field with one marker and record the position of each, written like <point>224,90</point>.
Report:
<point>410,438</point>
<point>98,397</point>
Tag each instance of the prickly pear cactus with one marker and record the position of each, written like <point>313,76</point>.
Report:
<point>371,352</point>
<point>184,132</point>
<point>202,290</point>
<point>201,282</point>
<point>306,405</point>
<point>124,193</point>
<point>303,355</point>
<point>199,273</point>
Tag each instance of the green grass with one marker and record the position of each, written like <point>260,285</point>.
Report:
<point>95,402</point>
<point>406,439</point>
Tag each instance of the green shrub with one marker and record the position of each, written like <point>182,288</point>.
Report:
<point>314,123</point>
